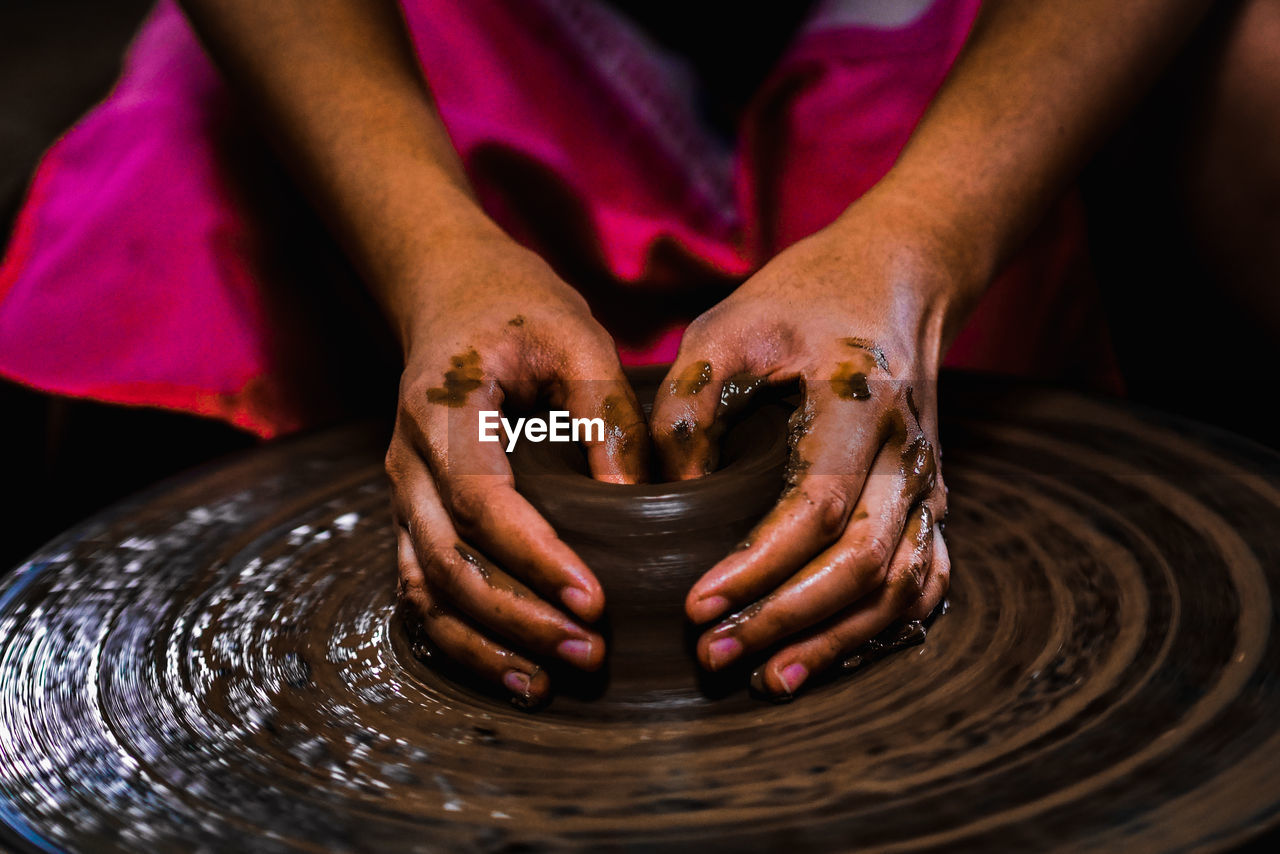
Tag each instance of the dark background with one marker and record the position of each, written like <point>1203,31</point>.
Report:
<point>1183,344</point>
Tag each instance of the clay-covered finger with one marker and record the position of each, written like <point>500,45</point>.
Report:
<point>503,605</point>
<point>833,448</point>
<point>454,637</point>
<point>833,641</point>
<point>816,511</point>
<point>854,567</point>
<point>473,584</point>
<point>707,384</point>
<point>683,421</point>
<point>476,484</point>
<point>938,582</point>
<point>808,519</point>
<point>595,388</point>
<point>938,575</point>
<point>477,488</point>
<point>490,514</point>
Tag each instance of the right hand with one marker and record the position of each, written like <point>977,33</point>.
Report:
<point>497,589</point>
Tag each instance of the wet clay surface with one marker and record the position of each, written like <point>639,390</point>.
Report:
<point>219,663</point>
<point>648,544</point>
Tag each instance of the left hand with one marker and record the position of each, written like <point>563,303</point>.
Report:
<point>858,313</point>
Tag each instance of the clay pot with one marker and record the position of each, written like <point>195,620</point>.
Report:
<point>649,543</point>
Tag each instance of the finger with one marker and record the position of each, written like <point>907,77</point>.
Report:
<point>805,521</point>
<point>502,604</point>
<point>594,387</point>
<point>852,568</point>
<point>938,574</point>
<point>478,490</point>
<point>833,449</point>
<point>473,584</point>
<point>502,524</point>
<point>791,666</point>
<point>706,383</point>
<point>938,582</point>
<point>454,637</point>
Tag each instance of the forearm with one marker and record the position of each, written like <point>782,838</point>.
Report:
<point>1036,89</point>
<point>338,88</point>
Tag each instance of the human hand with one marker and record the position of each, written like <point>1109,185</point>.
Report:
<point>485,570</point>
<point>858,314</point>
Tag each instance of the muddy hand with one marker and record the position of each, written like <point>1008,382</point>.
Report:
<point>498,591</point>
<point>855,542</point>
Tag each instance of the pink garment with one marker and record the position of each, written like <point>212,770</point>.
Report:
<point>135,275</point>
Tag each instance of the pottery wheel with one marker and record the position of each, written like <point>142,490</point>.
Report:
<point>217,664</point>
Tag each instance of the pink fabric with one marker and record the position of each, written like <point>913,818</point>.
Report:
<point>133,274</point>
<point>126,279</point>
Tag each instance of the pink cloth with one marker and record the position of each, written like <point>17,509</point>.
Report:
<point>135,276</point>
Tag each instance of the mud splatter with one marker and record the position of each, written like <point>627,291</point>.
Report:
<point>919,466</point>
<point>494,577</point>
<point>850,383</point>
<point>692,379</point>
<point>683,431</point>
<point>891,640</point>
<point>463,377</point>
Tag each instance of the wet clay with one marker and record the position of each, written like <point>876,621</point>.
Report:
<point>218,664</point>
<point>692,379</point>
<point>849,383</point>
<point>648,543</point>
<point>463,377</point>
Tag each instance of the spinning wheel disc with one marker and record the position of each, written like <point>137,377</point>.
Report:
<point>219,663</point>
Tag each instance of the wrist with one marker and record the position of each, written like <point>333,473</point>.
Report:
<point>436,278</point>
<point>943,266</point>
<point>934,223</point>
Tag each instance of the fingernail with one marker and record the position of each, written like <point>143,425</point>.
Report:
<point>578,600</point>
<point>761,687</point>
<point>723,651</point>
<point>711,607</point>
<point>575,652</point>
<point>793,676</point>
<point>517,683</point>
